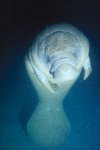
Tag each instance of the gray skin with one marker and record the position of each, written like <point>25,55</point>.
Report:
<point>58,54</point>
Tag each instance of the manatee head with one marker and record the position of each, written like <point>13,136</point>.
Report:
<point>58,55</point>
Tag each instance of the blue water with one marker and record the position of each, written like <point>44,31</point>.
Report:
<point>18,100</point>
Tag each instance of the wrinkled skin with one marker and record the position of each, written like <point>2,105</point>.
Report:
<point>58,55</point>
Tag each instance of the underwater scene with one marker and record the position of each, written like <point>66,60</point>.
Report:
<point>49,76</point>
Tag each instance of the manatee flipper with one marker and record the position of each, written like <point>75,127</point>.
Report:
<point>87,67</point>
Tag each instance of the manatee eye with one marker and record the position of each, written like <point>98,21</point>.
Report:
<point>76,52</point>
<point>75,55</point>
<point>46,59</point>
